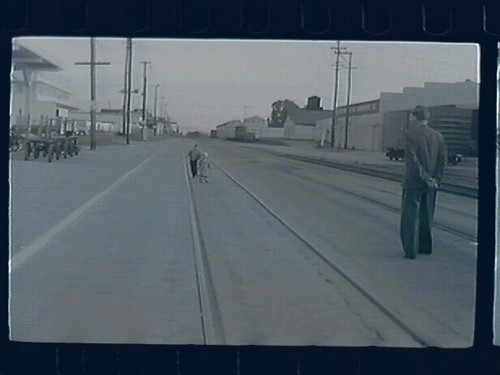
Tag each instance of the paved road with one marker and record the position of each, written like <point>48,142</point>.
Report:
<point>103,252</point>
<point>98,257</point>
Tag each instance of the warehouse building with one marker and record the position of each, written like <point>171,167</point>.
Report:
<point>456,124</point>
<point>300,123</point>
<point>254,127</point>
<point>378,124</point>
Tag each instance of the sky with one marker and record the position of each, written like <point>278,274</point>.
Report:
<point>204,83</point>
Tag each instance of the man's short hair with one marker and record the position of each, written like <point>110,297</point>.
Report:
<point>421,113</point>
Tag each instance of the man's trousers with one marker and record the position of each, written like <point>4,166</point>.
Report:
<point>194,167</point>
<point>417,213</point>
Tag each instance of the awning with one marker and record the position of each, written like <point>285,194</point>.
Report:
<point>25,59</point>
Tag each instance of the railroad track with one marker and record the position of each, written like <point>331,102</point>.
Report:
<point>370,171</point>
<point>395,316</point>
<point>388,207</point>
<point>468,192</point>
<point>210,315</point>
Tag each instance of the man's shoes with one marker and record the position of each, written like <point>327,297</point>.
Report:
<point>407,256</point>
<point>425,252</point>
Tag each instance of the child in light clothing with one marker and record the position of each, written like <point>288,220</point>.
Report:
<point>203,167</point>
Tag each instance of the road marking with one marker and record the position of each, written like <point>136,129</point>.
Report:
<point>36,245</point>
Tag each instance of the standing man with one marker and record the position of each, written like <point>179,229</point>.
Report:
<point>425,154</point>
<point>194,155</point>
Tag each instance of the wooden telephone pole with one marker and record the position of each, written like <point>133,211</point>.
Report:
<point>93,102</point>
<point>338,51</point>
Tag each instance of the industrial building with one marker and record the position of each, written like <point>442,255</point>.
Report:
<point>377,124</point>
<point>300,123</point>
<point>255,126</point>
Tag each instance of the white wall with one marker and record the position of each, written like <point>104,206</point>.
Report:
<point>364,132</point>
<point>254,125</point>
<point>270,133</point>
<point>432,94</point>
<point>228,130</point>
<point>303,132</point>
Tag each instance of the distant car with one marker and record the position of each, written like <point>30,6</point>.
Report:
<point>81,132</point>
<point>395,153</point>
<point>454,158</point>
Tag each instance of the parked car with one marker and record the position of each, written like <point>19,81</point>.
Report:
<point>395,153</point>
<point>454,158</point>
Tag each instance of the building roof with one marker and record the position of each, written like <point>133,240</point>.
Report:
<point>25,59</point>
<point>232,122</point>
<point>359,103</point>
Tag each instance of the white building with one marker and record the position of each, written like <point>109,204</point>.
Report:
<point>32,97</point>
<point>228,129</point>
<point>431,95</point>
<point>110,120</point>
<point>254,124</point>
<point>366,120</point>
<point>259,127</point>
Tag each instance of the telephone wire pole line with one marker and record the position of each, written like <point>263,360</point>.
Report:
<point>93,102</point>
<point>337,51</point>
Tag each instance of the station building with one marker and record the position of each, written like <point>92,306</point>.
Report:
<point>33,99</point>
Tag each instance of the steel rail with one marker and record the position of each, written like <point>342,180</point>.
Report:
<point>211,322</point>
<point>446,187</point>
<point>412,331</point>
<point>395,177</point>
<point>388,207</point>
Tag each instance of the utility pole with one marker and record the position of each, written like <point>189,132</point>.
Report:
<point>337,51</point>
<point>162,106</point>
<point>156,100</point>
<point>157,130</point>
<point>144,92</point>
<point>349,81</point>
<point>93,103</point>
<point>128,89</point>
